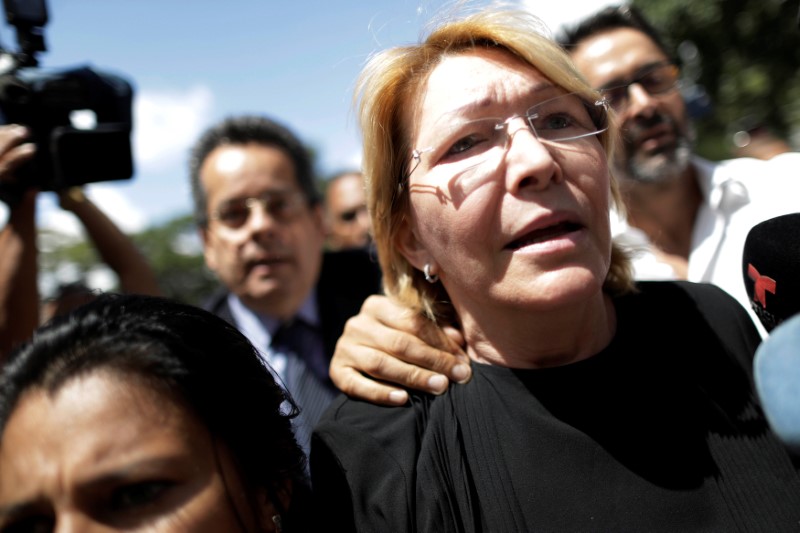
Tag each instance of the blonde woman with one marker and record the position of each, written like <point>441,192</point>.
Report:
<point>595,404</point>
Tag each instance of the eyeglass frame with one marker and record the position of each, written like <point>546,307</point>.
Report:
<point>416,154</point>
<point>297,197</point>
<point>351,215</point>
<point>637,78</point>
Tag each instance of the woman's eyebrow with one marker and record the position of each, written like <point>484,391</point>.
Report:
<point>129,471</point>
<point>486,101</point>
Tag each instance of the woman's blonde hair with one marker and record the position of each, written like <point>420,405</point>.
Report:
<point>387,93</point>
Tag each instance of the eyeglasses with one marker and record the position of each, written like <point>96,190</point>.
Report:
<point>656,79</point>
<point>466,146</point>
<point>282,206</point>
<point>352,214</point>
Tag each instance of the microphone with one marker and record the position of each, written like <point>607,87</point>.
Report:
<point>771,273</point>
<point>771,269</point>
<point>776,369</point>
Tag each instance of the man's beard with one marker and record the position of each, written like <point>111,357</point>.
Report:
<point>662,166</point>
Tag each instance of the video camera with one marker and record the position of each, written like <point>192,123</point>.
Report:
<point>80,118</point>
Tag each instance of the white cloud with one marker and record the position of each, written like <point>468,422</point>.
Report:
<point>112,202</point>
<point>166,123</point>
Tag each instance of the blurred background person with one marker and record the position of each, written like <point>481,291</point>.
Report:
<point>695,213</point>
<point>136,412</point>
<point>20,310</point>
<point>347,220</point>
<point>261,224</point>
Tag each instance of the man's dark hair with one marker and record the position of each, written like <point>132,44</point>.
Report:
<point>337,175</point>
<point>612,18</point>
<point>242,130</point>
<point>187,353</point>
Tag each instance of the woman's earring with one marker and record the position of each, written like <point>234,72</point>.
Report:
<point>430,278</point>
<point>276,519</point>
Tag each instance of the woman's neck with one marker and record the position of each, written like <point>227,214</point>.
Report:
<point>540,339</point>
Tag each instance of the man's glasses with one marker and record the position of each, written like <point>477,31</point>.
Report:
<point>655,79</point>
<point>468,146</point>
<point>351,214</point>
<point>282,206</point>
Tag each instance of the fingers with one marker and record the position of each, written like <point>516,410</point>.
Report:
<point>355,384</point>
<point>415,340</point>
<point>387,343</point>
<point>14,151</point>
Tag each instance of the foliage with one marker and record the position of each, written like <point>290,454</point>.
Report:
<point>175,254</point>
<point>172,248</point>
<point>749,53</point>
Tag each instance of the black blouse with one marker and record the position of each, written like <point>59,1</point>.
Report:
<point>661,431</point>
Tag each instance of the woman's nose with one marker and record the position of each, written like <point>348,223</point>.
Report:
<point>529,162</point>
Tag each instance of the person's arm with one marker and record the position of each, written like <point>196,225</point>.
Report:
<point>19,292</point>
<point>116,249</point>
<point>386,344</point>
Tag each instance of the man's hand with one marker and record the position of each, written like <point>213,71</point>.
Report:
<point>387,342</point>
<point>13,150</point>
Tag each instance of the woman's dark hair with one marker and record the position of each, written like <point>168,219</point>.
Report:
<point>189,353</point>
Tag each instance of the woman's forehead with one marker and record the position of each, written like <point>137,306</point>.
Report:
<point>469,82</point>
<point>478,78</point>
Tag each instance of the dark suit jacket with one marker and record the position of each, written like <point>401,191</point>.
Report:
<point>346,279</point>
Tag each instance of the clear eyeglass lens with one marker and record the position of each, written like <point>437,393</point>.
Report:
<point>280,206</point>
<point>659,80</point>
<point>466,145</point>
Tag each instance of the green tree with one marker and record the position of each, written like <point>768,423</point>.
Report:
<point>748,59</point>
<point>172,248</point>
<point>175,252</point>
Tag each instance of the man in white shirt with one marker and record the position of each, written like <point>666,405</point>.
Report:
<point>695,213</point>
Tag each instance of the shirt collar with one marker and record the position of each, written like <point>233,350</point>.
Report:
<point>259,327</point>
<point>723,193</point>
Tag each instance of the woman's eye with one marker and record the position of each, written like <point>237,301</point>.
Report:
<point>30,524</point>
<point>477,136</point>
<point>137,495</point>
<point>464,144</point>
<point>558,122</point>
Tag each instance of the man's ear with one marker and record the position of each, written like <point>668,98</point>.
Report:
<point>411,247</point>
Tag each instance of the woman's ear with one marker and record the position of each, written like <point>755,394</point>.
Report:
<point>412,248</point>
<point>270,515</point>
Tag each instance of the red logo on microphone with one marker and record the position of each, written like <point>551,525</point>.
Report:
<point>763,284</point>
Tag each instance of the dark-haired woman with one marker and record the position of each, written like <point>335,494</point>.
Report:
<point>138,413</point>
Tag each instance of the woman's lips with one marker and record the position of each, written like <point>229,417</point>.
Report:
<point>544,234</point>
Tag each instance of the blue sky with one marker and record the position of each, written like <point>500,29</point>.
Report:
<point>194,62</point>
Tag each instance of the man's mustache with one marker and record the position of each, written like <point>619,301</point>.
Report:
<point>633,132</point>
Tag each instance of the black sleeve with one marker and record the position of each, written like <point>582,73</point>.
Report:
<point>363,467</point>
<point>333,503</point>
<point>725,315</point>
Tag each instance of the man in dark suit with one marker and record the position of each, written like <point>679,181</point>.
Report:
<point>262,229</point>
